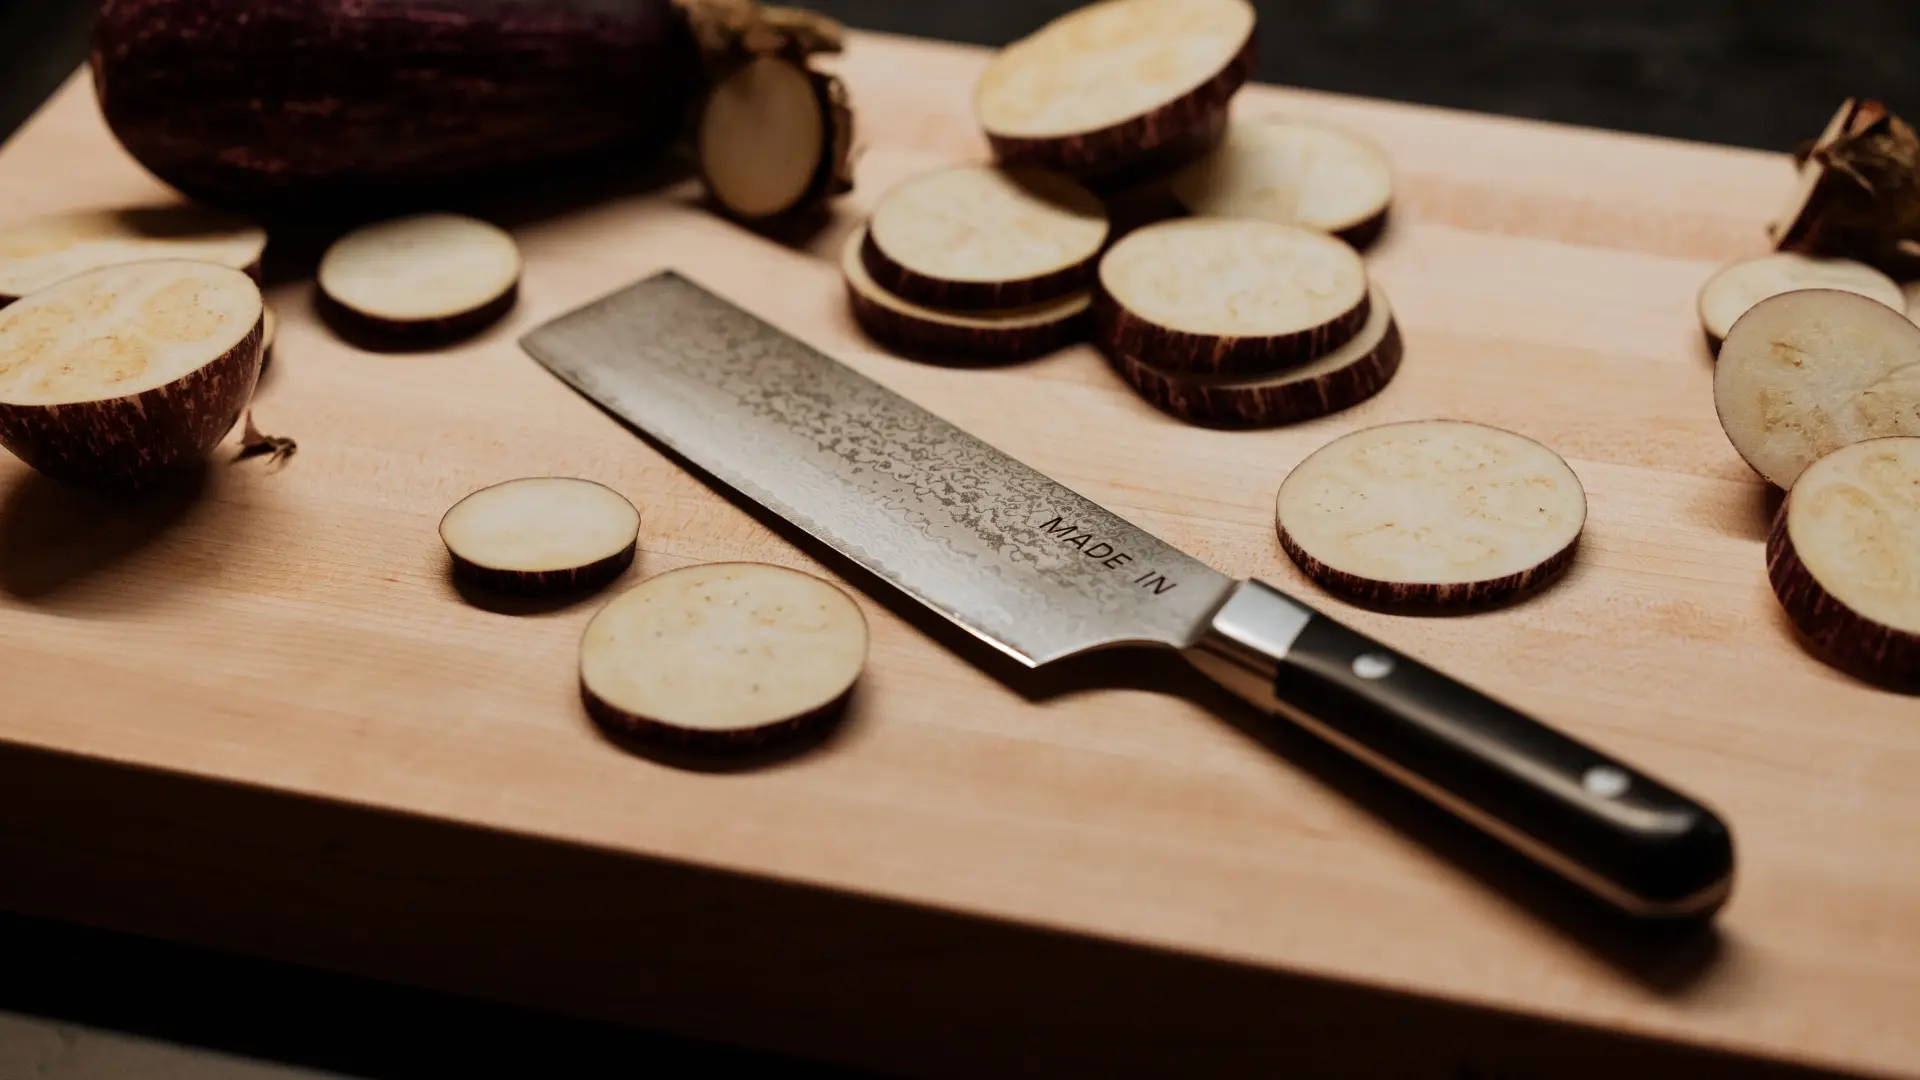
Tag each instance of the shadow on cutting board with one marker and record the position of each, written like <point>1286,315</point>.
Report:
<point>1670,960</point>
<point>58,544</point>
<point>1767,501</point>
<point>533,606</point>
<point>798,230</point>
<point>818,740</point>
<point>513,202</point>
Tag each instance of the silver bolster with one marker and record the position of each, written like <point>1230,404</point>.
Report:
<point>1248,637</point>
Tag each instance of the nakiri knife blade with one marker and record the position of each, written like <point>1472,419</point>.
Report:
<point>1041,573</point>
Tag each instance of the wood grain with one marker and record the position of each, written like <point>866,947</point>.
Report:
<point>290,634</point>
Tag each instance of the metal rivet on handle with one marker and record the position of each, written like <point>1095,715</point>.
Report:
<point>1373,665</point>
<point>1606,782</point>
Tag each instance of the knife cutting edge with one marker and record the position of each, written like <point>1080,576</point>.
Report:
<point>1041,573</point>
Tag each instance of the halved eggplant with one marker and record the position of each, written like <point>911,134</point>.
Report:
<point>34,254</point>
<point>122,377</point>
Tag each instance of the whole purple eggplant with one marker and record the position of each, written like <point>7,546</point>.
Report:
<point>318,105</point>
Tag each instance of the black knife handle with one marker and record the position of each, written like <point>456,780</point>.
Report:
<point>1615,831</point>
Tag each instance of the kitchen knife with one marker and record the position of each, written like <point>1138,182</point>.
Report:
<point>1040,573</point>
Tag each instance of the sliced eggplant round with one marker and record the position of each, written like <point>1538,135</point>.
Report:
<point>726,656</point>
<point>541,536</point>
<point>1733,290</point>
<point>1100,89</point>
<point>1844,558</point>
<point>775,138</point>
<point>996,336</point>
<point>980,238</point>
<point>35,254</point>
<point>123,376</point>
<point>1341,379</point>
<point>1437,514</point>
<point>428,277</point>
<point>1805,373</point>
<point>1858,195</point>
<point>1212,296</point>
<point>1295,174</point>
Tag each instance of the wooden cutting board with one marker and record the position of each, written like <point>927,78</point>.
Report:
<point>262,718</point>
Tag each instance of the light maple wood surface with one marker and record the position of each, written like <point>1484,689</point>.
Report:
<point>294,627</point>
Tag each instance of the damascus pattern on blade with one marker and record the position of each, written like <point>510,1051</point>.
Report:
<point>1013,557</point>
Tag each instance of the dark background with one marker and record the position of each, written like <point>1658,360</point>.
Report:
<point>1762,73</point>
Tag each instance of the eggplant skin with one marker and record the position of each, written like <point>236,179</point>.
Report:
<point>1879,654</point>
<point>373,332</point>
<point>640,732</point>
<point>540,583</point>
<point>315,104</point>
<point>124,445</point>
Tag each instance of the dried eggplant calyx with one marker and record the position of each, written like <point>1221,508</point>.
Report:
<point>730,32</point>
<point>1859,190</point>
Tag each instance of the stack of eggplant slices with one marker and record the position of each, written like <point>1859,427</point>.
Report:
<point>1246,305</point>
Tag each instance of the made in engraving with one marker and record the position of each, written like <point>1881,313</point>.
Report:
<point>921,504</point>
<point>1102,551</point>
